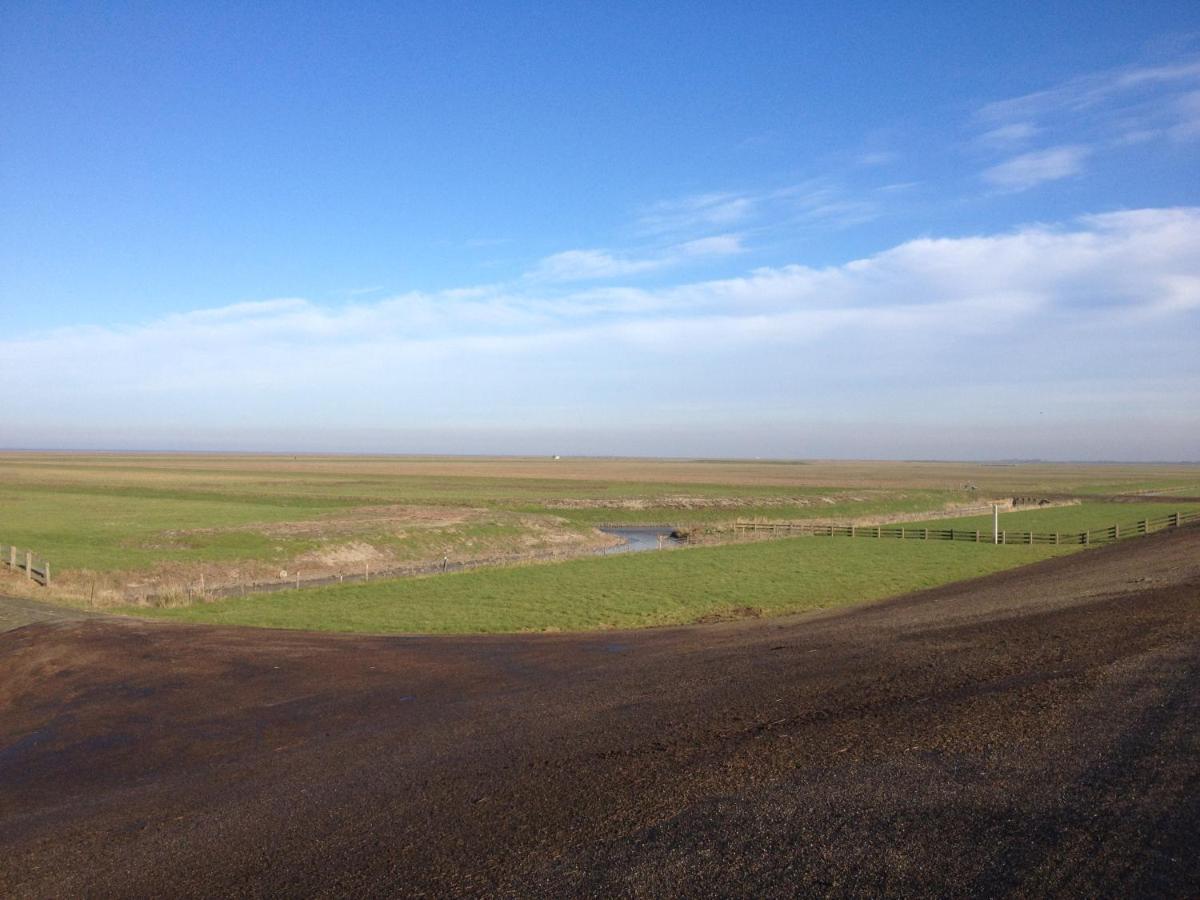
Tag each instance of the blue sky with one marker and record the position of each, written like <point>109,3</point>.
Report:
<point>951,230</point>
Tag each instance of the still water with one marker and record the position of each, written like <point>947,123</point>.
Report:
<point>638,539</point>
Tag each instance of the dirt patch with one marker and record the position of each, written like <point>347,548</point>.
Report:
<point>337,556</point>
<point>731,615</point>
<point>377,517</point>
<point>684,502</point>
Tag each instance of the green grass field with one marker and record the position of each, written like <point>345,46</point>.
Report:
<point>1066,519</point>
<point>120,527</point>
<point>772,578</point>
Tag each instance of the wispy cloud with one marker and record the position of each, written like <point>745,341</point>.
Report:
<point>814,202</point>
<point>1029,169</point>
<point>1088,115</point>
<point>877,158</point>
<point>697,212</point>
<point>1187,122</point>
<point>590,265</point>
<point>1094,91</point>
<point>1004,137</point>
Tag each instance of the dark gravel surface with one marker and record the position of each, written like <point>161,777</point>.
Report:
<point>16,612</point>
<point>1036,732</point>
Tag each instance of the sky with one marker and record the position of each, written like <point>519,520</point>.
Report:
<point>937,230</point>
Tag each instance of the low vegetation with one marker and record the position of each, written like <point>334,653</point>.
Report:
<point>119,528</point>
<point>764,578</point>
<point>1066,519</point>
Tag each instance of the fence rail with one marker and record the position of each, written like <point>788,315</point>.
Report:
<point>1104,535</point>
<point>34,567</point>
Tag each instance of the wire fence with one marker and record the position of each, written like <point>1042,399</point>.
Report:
<point>34,567</point>
<point>1103,535</point>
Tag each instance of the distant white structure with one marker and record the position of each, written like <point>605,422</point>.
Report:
<point>556,456</point>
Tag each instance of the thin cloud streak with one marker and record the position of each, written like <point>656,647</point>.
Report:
<point>1085,116</point>
<point>1031,169</point>
<point>590,265</point>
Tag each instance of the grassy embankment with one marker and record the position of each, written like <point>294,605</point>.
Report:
<point>632,591</point>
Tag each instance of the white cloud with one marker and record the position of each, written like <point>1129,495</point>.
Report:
<point>816,202</point>
<point>877,158</point>
<point>717,245</point>
<point>698,212</point>
<point>1187,123</point>
<point>1058,308</point>
<point>1005,136</point>
<point>580,265</point>
<point>1030,169</point>
<point>592,265</point>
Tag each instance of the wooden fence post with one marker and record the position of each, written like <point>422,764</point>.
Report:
<point>925,534</point>
<point>29,565</point>
<point>1056,539</point>
<point>977,535</point>
<point>12,557</point>
<point>46,569</point>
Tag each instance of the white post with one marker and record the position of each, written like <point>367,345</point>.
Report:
<point>995,523</point>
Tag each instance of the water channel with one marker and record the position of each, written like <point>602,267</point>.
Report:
<point>639,538</point>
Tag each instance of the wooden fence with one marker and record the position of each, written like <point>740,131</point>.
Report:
<point>34,567</point>
<point>1104,535</point>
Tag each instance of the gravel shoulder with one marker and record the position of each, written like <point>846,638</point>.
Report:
<point>17,612</point>
<point>1032,732</point>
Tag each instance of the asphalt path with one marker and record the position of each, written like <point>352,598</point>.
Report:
<point>1036,732</point>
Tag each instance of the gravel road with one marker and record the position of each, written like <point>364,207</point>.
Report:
<point>1036,732</point>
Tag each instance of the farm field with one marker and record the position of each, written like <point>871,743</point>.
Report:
<point>120,527</point>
